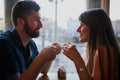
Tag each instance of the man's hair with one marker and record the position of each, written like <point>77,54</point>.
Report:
<point>22,9</point>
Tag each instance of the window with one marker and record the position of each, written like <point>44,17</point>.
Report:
<point>1,16</point>
<point>60,21</point>
<point>115,16</point>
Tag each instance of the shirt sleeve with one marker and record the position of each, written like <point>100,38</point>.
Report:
<point>8,62</point>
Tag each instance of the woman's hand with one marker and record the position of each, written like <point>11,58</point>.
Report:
<point>72,53</point>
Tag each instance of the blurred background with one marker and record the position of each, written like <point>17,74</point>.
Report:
<point>60,21</point>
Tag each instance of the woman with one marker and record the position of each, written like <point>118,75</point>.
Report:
<point>103,49</point>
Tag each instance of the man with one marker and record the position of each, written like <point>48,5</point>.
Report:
<point>19,57</point>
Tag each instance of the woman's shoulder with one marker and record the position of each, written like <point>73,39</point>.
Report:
<point>105,48</point>
<point>105,51</point>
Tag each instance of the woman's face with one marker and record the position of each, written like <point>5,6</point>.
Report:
<point>84,32</point>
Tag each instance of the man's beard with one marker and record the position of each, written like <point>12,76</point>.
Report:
<point>29,31</point>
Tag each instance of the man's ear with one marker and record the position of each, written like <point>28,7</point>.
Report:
<point>20,22</point>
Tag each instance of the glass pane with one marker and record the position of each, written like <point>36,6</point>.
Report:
<point>115,16</point>
<point>60,21</point>
<point>1,16</point>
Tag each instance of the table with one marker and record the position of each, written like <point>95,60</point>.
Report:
<point>54,76</point>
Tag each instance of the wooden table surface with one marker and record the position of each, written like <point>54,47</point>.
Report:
<point>54,76</point>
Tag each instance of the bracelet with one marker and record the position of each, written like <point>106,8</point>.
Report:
<point>81,69</point>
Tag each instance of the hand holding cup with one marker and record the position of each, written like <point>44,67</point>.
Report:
<point>57,46</point>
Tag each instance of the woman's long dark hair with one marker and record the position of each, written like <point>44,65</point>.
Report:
<point>101,32</point>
